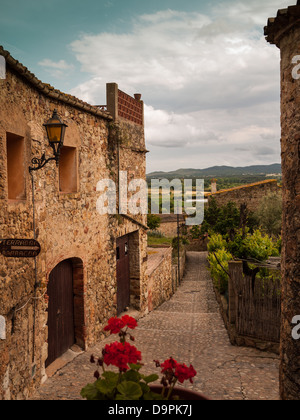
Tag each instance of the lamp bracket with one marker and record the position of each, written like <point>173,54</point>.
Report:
<point>40,163</point>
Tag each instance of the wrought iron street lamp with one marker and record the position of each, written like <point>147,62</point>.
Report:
<point>55,129</point>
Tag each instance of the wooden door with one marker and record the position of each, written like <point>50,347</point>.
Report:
<point>61,334</point>
<point>123,274</point>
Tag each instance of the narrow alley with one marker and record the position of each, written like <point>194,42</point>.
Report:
<point>190,329</point>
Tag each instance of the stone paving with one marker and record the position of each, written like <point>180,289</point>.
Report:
<point>189,328</point>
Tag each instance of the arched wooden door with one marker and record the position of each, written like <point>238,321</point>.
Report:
<point>61,331</point>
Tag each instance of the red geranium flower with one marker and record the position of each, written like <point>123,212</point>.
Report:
<point>169,365</point>
<point>129,322</point>
<point>114,325</point>
<point>120,355</point>
<point>180,371</point>
<point>183,373</point>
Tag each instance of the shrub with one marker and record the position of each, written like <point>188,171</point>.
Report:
<point>216,242</point>
<point>153,221</point>
<point>195,232</point>
<point>220,219</point>
<point>259,246</point>
<point>218,272</point>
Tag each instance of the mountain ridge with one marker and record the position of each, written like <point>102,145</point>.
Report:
<point>220,171</point>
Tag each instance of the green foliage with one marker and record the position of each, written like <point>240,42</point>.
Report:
<point>220,219</point>
<point>257,246</point>
<point>236,246</point>
<point>153,221</point>
<point>216,242</point>
<point>195,232</point>
<point>279,245</point>
<point>130,385</point>
<point>269,214</point>
<point>229,218</point>
<point>218,262</point>
<point>159,240</point>
<point>182,241</point>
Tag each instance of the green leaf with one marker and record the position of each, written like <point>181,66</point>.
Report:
<point>111,377</point>
<point>150,396</point>
<point>136,367</point>
<point>91,393</point>
<point>145,388</point>
<point>150,378</point>
<point>108,384</point>
<point>121,397</point>
<point>130,390</point>
<point>132,376</point>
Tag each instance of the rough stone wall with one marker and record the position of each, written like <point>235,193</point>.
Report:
<point>168,229</point>
<point>290,146</point>
<point>160,279</point>
<point>284,31</point>
<point>251,194</point>
<point>168,224</point>
<point>68,227</point>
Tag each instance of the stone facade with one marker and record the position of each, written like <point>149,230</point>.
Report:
<point>169,224</point>
<point>251,194</point>
<point>162,275</point>
<point>284,32</point>
<point>98,144</point>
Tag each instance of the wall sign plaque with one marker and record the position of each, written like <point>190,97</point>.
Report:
<point>20,248</point>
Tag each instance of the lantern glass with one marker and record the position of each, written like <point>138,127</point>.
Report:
<point>55,130</point>
<point>54,133</point>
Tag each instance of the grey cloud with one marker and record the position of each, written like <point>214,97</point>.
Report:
<point>264,151</point>
<point>207,81</point>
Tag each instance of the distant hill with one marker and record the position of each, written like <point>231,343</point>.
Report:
<point>219,172</point>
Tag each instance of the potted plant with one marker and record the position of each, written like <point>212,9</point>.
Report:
<point>127,382</point>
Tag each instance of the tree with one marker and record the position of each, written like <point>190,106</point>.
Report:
<point>153,221</point>
<point>269,214</point>
<point>220,219</point>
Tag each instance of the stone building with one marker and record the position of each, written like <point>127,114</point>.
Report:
<point>284,32</point>
<point>250,194</point>
<point>91,266</point>
<point>169,224</point>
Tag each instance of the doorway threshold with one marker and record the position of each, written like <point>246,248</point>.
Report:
<point>63,360</point>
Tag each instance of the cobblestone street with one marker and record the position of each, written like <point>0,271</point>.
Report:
<point>190,329</point>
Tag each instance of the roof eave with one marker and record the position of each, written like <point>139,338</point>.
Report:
<point>50,91</point>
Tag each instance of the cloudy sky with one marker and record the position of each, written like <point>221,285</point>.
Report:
<point>209,80</point>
